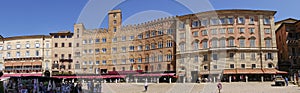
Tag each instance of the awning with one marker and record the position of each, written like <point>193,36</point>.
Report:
<point>204,72</point>
<point>8,64</point>
<point>229,71</point>
<point>18,64</point>
<point>155,75</point>
<point>249,71</point>
<point>269,71</point>
<point>90,77</point>
<point>281,72</point>
<point>19,75</point>
<point>26,63</point>
<point>36,63</point>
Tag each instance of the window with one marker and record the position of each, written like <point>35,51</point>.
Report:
<point>91,62</point>
<point>97,40</point>
<point>196,58</point>
<point>131,48</point>
<point>97,50</point>
<point>196,45</point>
<point>252,42</point>
<point>242,30</point>
<point>215,67</point>
<point>114,39</point>
<point>205,67</point>
<point>147,58</point>
<point>70,44</point>
<point>214,21</point>
<point>123,38</point>
<point>115,29</point>
<point>269,56</point>
<point>170,31</point>
<point>160,44</point>
<point>222,30</point>
<point>27,45</point>
<point>195,33</point>
<point>243,66</point>
<point>131,60</point>
<point>62,36</point>
<point>103,40</point>
<point>147,34</point>
<point>56,36</point>
<point>204,44</point>
<point>140,47</point>
<point>268,42</point>
<point>181,25</point>
<point>115,22</point>
<point>251,20</point>
<point>231,65</point>
<point>242,42</point>
<point>62,44</point>
<point>182,35</point>
<point>84,41</point>
<point>204,22</point>
<point>215,56</point>
<point>140,60</point>
<point>242,56</point>
<point>230,20</point>
<point>253,65</point>
<point>214,31</point>
<point>77,54</point>
<point>8,55</point>
<point>91,41</point>
<point>153,46</point>
<point>222,43</point>
<point>204,32</point>
<point>231,56</point>
<point>37,53</point>
<point>252,30</point>
<point>47,45</point>
<point>84,51</point>
<point>223,20</point>
<point>153,33</point>
<point>266,21</point>
<point>159,67</point>
<point>139,67</point>
<point>195,24</point>
<point>160,32</point>
<point>77,66</point>
<point>169,43</point>
<point>123,49</point>
<point>253,56</point>
<point>160,58</point>
<point>18,54</point>
<point>131,37</point>
<point>37,45</point>
<point>123,68</point>
<point>90,51</point>
<point>230,30</point>
<point>241,20</point>
<point>205,57</point>
<point>169,57</point>
<point>182,47</point>
<point>214,43</point>
<point>103,62</point>
<point>27,54</point>
<point>123,61</point>
<point>114,62</point>
<point>140,36</point>
<point>267,30</point>
<point>69,36</point>
<point>18,46</point>
<point>103,50</point>
<point>231,42</point>
<point>55,55</point>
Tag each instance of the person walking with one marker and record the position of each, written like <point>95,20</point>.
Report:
<point>146,86</point>
<point>286,81</point>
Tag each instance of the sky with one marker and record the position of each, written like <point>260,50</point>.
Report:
<point>40,17</point>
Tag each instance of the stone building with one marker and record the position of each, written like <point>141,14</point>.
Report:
<point>287,38</point>
<point>26,55</point>
<point>233,44</point>
<point>62,53</point>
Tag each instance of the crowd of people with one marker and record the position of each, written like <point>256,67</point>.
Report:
<point>33,86</point>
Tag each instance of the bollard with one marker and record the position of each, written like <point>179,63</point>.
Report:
<point>151,80</point>
<point>229,79</point>
<point>262,78</point>
<point>170,80</point>
<point>246,78</point>
<point>157,80</point>
<point>214,79</point>
<point>135,80</point>
<point>184,80</point>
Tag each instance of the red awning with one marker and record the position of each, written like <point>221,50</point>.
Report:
<point>229,71</point>
<point>90,77</point>
<point>155,75</point>
<point>19,75</point>
<point>281,72</point>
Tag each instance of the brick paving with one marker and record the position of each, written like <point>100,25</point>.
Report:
<point>235,87</point>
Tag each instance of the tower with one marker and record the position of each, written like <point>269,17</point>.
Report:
<point>114,20</point>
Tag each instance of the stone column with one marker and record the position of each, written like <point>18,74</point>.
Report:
<point>229,79</point>
<point>214,79</point>
<point>262,78</point>
<point>127,79</point>
<point>246,78</point>
<point>157,80</point>
<point>170,80</point>
<point>136,80</point>
<point>183,79</point>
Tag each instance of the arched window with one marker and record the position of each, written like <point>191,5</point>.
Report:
<point>182,47</point>
<point>196,45</point>
<point>214,43</point>
<point>222,42</point>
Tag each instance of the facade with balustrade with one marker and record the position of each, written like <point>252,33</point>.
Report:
<point>26,54</point>
<point>228,43</point>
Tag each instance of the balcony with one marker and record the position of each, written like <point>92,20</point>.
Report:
<point>21,59</point>
<point>65,60</point>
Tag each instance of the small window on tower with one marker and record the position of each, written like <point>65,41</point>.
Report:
<point>115,15</point>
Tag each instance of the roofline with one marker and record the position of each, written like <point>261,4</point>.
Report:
<point>286,19</point>
<point>27,37</point>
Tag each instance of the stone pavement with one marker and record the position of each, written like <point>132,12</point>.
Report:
<point>234,87</point>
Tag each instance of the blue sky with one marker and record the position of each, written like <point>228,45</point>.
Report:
<point>32,17</point>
